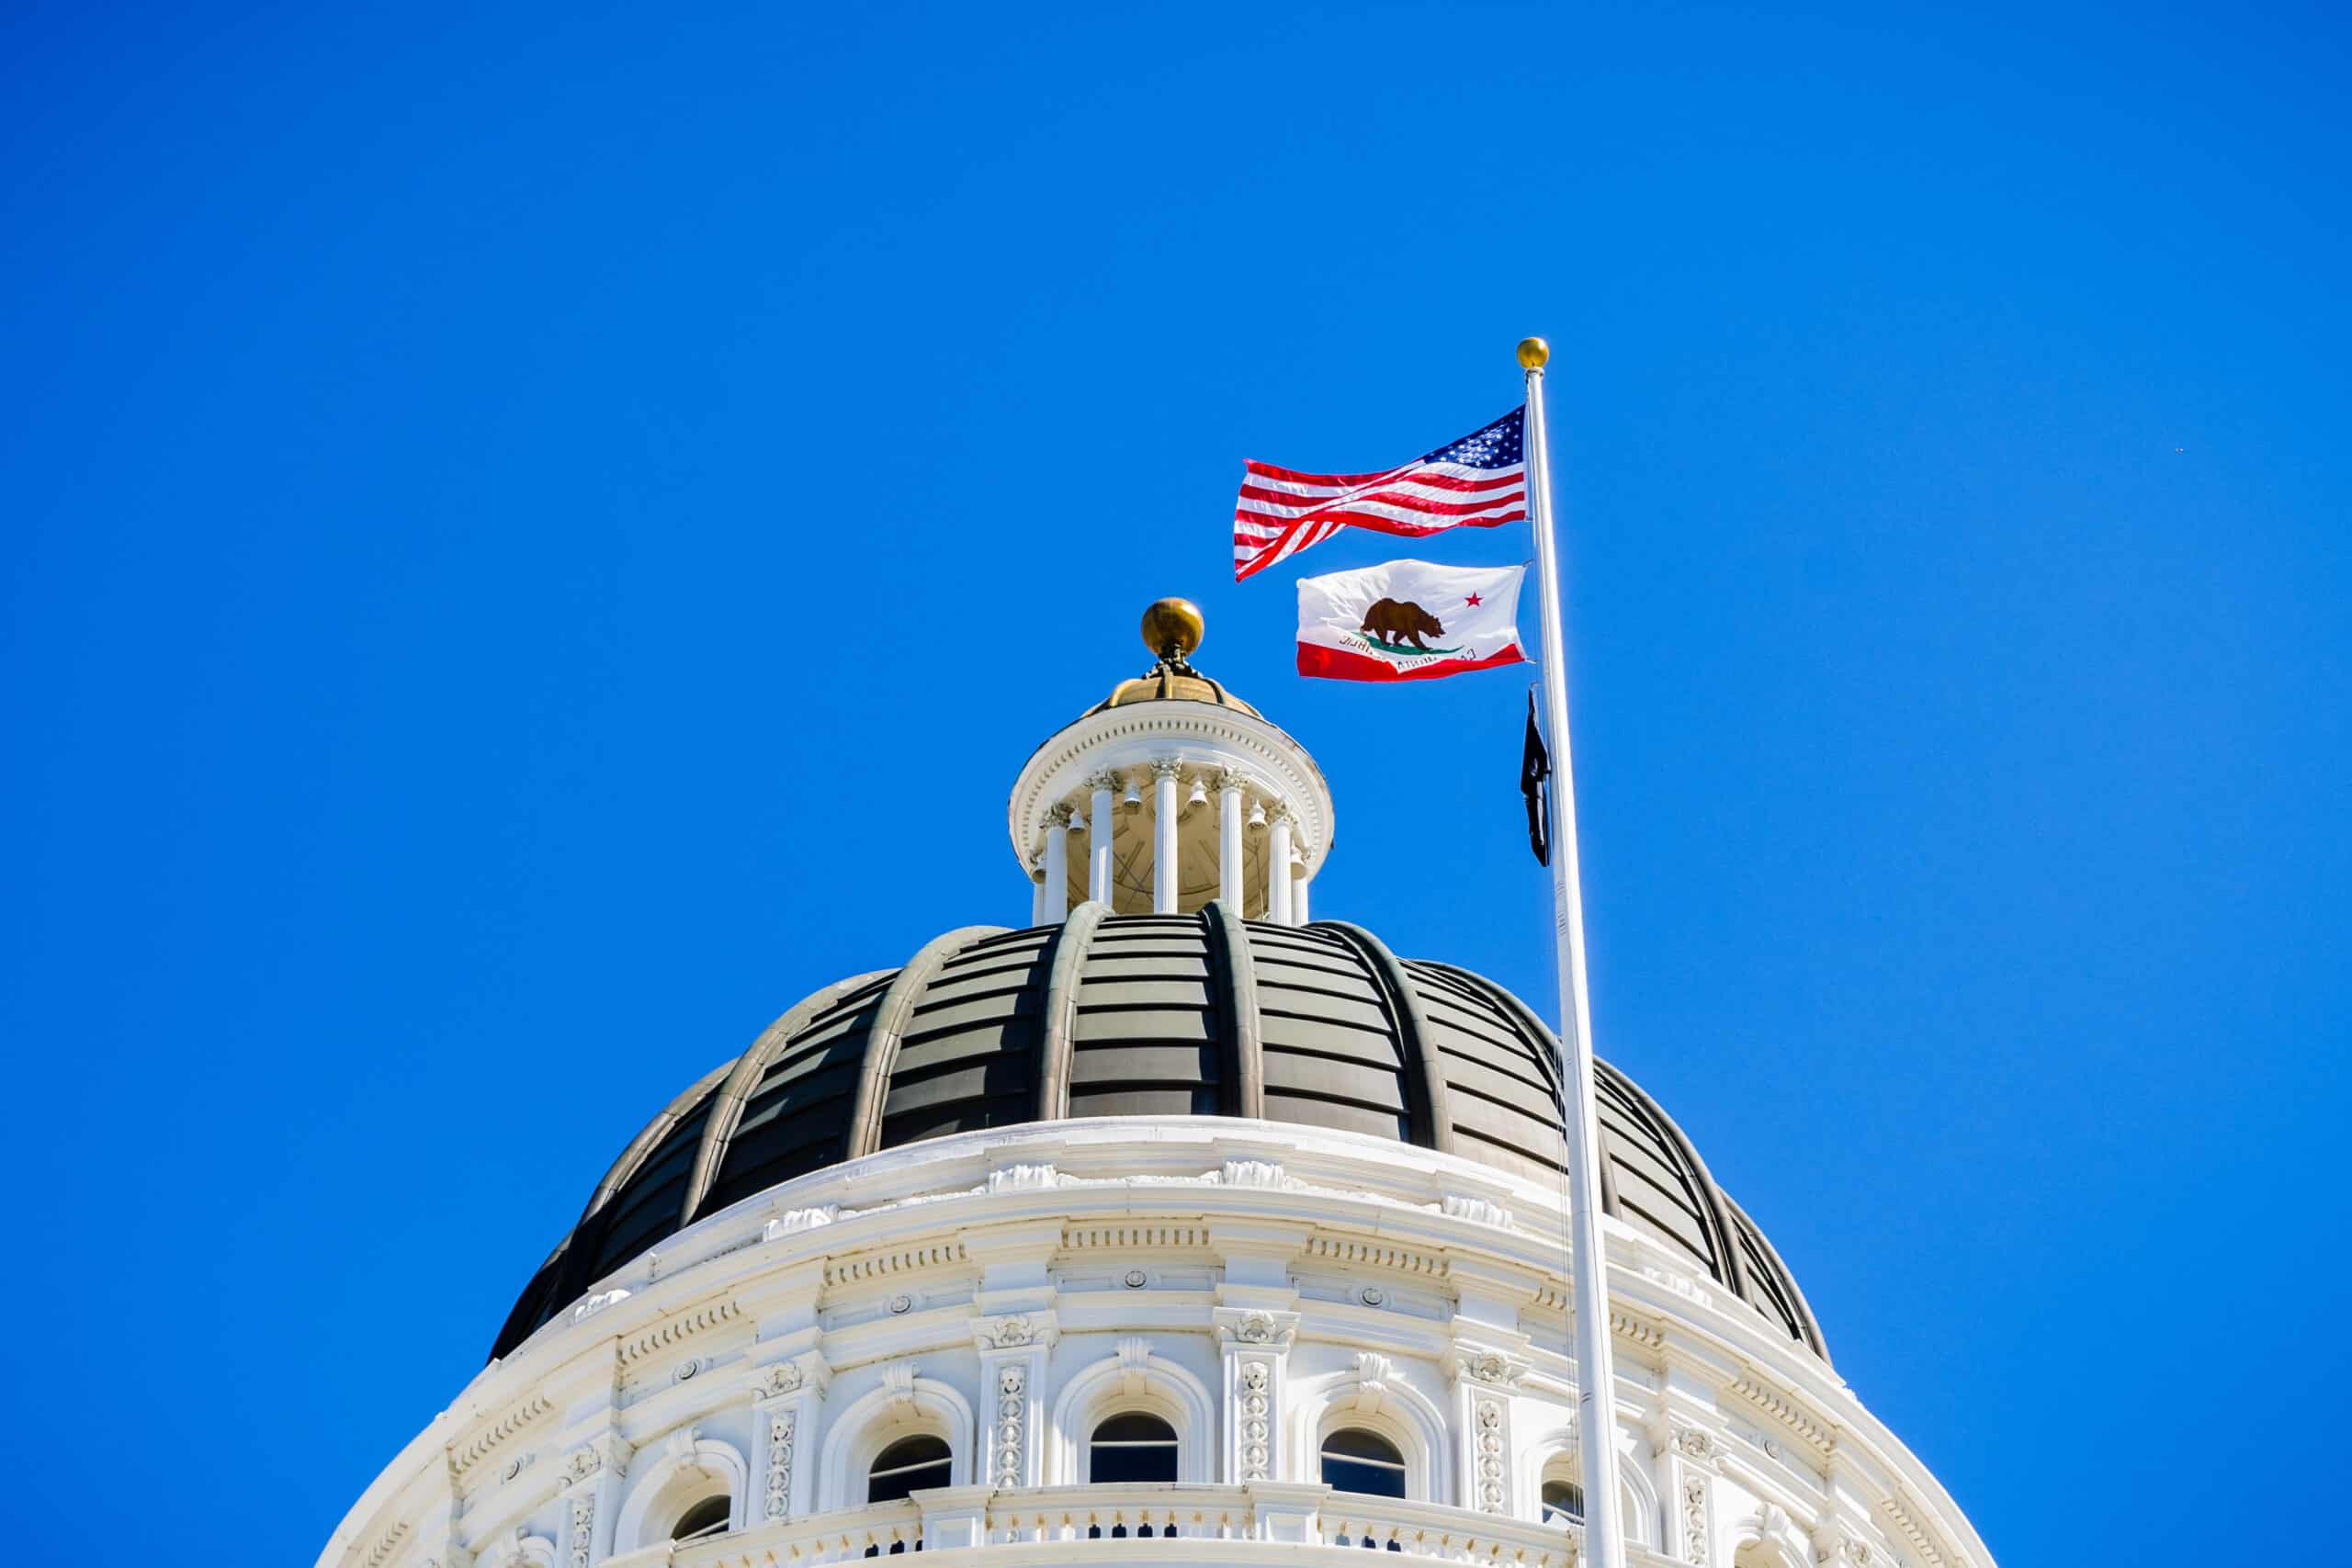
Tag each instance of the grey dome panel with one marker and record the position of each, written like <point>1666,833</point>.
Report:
<point>1196,1015</point>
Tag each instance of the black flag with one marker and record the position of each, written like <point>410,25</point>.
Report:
<point>1534,767</point>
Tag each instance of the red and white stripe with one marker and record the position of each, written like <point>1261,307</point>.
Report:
<point>1281,511</point>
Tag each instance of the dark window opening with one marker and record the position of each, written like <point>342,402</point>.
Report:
<point>1358,1460</point>
<point>706,1517</point>
<point>1133,1446</point>
<point>1563,1502</point>
<point>905,1467</point>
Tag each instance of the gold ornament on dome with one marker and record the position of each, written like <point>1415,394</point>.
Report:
<point>1172,628</point>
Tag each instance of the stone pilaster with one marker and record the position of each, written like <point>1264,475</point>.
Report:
<point>1012,1389</point>
<point>786,1401</point>
<point>1256,1343</point>
<point>1485,1381</point>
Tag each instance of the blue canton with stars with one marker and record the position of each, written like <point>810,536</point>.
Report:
<point>1499,445</point>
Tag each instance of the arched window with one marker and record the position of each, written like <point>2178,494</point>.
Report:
<point>1358,1460</point>
<point>1563,1502</point>
<point>1133,1446</point>
<point>906,1466</point>
<point>703,1518</point>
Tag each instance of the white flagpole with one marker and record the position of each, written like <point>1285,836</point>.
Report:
<point>1604,1538</point>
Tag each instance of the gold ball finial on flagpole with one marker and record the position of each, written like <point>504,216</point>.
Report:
<point>1533,353</point>
<point>1172,628</point>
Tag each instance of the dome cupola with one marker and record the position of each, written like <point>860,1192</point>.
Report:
<point>1176,792</point>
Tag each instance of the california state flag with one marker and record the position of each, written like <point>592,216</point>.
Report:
<point>1409,621</point>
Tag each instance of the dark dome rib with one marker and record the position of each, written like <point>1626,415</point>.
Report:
<point>1151,1015</point>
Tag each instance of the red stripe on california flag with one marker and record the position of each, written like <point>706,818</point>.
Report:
<point>1339,664</point>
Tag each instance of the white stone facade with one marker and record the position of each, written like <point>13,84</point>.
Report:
<point>1255,1286</point>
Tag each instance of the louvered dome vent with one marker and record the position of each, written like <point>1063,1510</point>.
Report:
<point>1194,1015</point>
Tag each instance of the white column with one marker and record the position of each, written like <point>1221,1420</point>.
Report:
<point>1163,838</point>
<point>1278,869</point>
<point>1228,839</point>
<point>1100,825</point>
<point>1056,907</point>
<point>1298,899</point>
<point>1036,898</point>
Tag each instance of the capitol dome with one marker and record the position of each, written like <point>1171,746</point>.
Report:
<point>1174,1221</point>
<point>1209,1015</point>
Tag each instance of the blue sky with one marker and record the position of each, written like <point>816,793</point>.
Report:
<point>534,534</point>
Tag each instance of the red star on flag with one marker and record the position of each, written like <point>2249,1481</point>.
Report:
<point>1472,599</point>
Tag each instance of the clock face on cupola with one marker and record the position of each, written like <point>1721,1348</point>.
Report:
<point>1178,1211</point>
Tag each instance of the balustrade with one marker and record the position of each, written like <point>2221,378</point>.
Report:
<point>1258,1521</point>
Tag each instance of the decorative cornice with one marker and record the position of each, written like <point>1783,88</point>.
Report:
<point>1375,1254</point>
<point>677,1329</point>
<point>1914,1531</point>
<point>1649,1336</point>
<point>519,1414</point>
<point>866,1267</point>
<point>1137,1238</point>
<point>1783,1410</point>
<point>386,1544</point>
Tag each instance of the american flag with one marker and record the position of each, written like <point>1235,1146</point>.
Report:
<point>1475,482</point>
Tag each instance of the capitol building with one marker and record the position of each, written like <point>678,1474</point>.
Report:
<point>1176,1225</point>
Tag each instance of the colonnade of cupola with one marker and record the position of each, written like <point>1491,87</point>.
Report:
<point>1170,793</point>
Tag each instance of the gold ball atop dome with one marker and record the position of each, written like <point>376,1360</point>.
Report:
<point>1533,353</point>
<point>1172,623</point>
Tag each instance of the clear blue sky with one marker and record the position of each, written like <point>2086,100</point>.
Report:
<point>534,534</point>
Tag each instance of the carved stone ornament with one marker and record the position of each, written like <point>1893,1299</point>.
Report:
<point>1252,1173</point>
<point>1694,1521</point>
<point>1489,1421</point>
<point>597,1303</point>
<point>1478,1211</point>
<point>1135,1279</point>
<point>584,1528</point>
<point>1022,1178</point>
<point>791,1222</point>
<point>686,1369</point>
<point>1254,1382</point>
<point>1488,1366</point>
<point>779,1490</point>
<point>902,1304</point>
<point>1012,1419</point>
<point>1006,1333</point>
<point>1229,778</point>
<point>1166,768</point>
<point>1261,1329</point>
<point>1373,1296</point>
<point>777,1378</point>
<point>1692,1443</point>
<point>582,1462</point>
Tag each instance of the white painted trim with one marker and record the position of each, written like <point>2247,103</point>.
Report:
<point>1112,1386</point>
<point>869,1424</point>
<point>641,1505</point>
